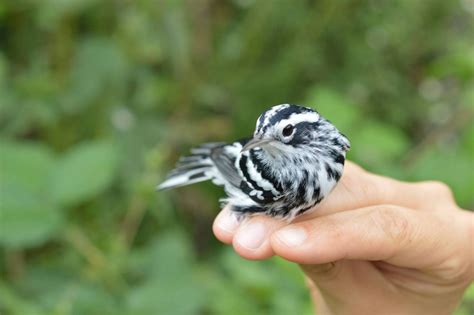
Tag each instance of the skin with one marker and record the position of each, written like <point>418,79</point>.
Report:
<point>373,244</point>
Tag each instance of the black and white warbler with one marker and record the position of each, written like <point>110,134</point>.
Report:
<point>294,160</point>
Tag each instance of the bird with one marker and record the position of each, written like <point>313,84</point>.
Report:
<point>293,161</point>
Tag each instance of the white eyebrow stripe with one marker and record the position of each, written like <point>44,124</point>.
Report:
<point>296,118</point>
<point>272,112</point>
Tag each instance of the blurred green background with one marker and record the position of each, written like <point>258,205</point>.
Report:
<point>99,98</point>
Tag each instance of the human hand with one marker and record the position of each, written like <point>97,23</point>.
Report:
<point>373,245</point>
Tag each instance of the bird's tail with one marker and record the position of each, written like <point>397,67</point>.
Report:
<point>191,169</point>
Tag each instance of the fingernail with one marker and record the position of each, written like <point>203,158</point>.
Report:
<point>292,237</point>
<point>252,235</point>
<point>228,223</point>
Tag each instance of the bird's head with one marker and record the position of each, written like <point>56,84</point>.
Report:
<point>284,128</point>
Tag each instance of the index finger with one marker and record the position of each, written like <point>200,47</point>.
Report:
<point>359,188</point>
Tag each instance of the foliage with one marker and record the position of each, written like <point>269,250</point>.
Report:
<point>98,98</point>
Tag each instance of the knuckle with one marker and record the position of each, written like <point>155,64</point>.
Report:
<point>438,188</point>
<point>457,269</point>
<point>392,223</point>
<point>461,264</point>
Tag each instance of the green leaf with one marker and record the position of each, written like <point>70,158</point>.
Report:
<point>52,287</point>
<point>83,172</point>
<point>376,144</point>
<point>448,166</point>
<point>170,277</point>
<point>470,292</point>
<point>180,296</point>
<point>99,72</point>
<point>166,256</point>
<point>248,274</point>
<point>51,12</point>
<point>467,302</point>
<point>290,282</point>
<point>227,298</point>
<point>13,304</point>
<point>89,299</point>
<point>25,163</point>
<point>334,107</point>
<point>28,217</point>
<point>3,71</point>
<point>458,62</point>
<point>468,141</point>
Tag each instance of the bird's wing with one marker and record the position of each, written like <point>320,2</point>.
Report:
<point>224,159</point>
<point>194,168</point>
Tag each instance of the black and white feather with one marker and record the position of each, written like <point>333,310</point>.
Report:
<point>293,161</point>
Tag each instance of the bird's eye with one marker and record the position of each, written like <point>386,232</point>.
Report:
<point>288,130</point>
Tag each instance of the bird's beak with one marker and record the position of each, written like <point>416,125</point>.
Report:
<point>255,142</point>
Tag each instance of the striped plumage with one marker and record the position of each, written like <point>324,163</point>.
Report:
<point>294,160</point>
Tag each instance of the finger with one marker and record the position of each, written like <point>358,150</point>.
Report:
<point>252,238</point>
<point>359,188</point>
<point>398,235</point>
<point>225,225</point>
<point>356,189</point>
